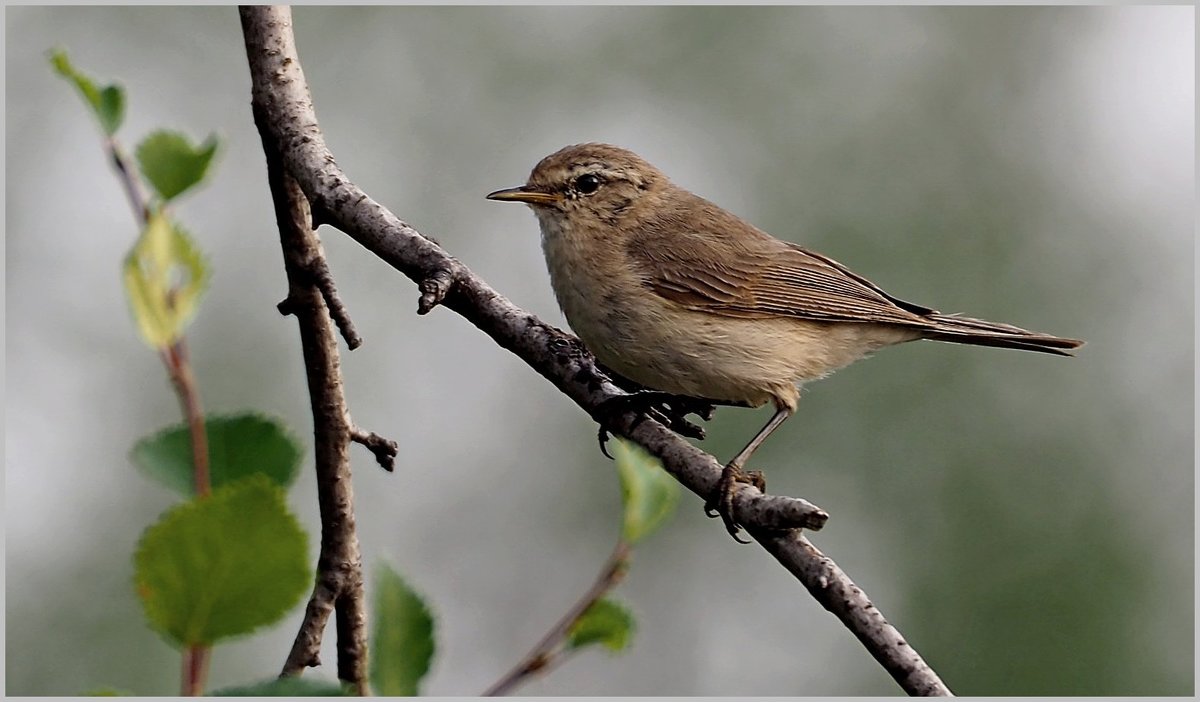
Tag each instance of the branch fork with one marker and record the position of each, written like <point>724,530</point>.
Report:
<point>288,124</point>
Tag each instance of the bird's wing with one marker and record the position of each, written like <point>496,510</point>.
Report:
<point>756,275</point>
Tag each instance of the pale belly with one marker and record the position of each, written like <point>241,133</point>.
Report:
<point>666,347</point>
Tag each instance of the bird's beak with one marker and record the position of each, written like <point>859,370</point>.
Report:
<point>524,194</point>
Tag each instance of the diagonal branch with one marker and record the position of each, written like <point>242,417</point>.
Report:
<point>281,99</point>
<point>551,649</point>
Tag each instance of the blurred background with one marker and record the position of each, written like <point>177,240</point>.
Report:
<point>1025,520</point>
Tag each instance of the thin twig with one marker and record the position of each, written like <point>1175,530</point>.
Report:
<point>319,270</point>
<point>550,651</point>
<point>385,450</point>
<point>287,119</point>
<point>133,185</point>
<point>176,360</point>
<point>339,580</point>
<point>175,357</point>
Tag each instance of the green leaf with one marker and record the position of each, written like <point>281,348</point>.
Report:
<point>649,492</point>
<point>165,277</point>
<point>107,103</point>
<point>112,108</point>
<point>171,164</point>
<point>606,622</point>
<point>238,446</point>
<point>402,644</point>
<point>222,565</point>
<point>286,687</point>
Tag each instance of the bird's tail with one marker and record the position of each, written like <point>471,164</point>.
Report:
<point>965,330</point>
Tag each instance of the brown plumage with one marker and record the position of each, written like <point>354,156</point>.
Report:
<point>682,296</point>
<point>769,277</point>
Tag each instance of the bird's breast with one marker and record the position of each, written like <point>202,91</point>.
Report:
<point>630,329</point>
<point>594,285</point>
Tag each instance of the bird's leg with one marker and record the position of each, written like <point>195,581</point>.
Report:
<point>721,501</point>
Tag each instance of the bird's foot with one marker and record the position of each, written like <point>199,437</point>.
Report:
<point>663,407</point>
<point>720,503</point>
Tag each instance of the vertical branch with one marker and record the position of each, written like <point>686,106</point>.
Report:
<point>339,586</point>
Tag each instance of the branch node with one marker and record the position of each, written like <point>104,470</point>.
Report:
<point>318,214</point>
<point>385,450</point>
<point>434,288</point>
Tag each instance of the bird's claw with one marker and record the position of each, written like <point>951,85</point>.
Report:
<point>669,410</point>
<point>602,435</point>
<point>720,502</point>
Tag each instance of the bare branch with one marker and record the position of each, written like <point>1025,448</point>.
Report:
<point>284,108</point>
<point>317,270</point>
<point>323,279</point>
<point>339,582</point>
<point>838,594</point>
<point>306,649</point>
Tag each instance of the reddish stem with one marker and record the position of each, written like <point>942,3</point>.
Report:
<point>176,359</point>
<point>195,670</point>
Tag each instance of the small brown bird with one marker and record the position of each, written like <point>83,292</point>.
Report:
<point>675,293</point>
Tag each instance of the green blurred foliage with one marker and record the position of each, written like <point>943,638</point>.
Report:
<point>606,622</point>
<point>402,642</point>
<point>222,565</point>
<point>238,446</point>
<point>171,164</point>
<point>165,276</point>
<point>107,103</point>
<point>286,687</point>
<point>649,494</point>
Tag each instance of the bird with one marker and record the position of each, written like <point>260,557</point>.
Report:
<point>685,298</point>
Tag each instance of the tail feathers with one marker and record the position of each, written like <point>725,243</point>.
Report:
<point>965,330</point>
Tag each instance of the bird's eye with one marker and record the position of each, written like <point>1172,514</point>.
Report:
<point>587,183</point>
